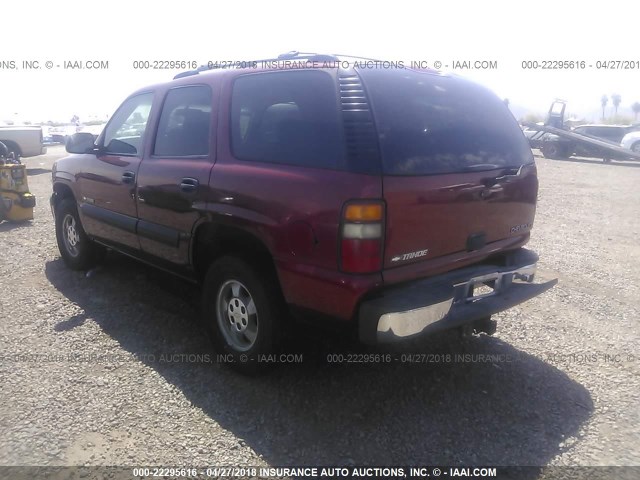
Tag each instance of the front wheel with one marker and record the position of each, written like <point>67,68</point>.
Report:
<point>635,148</point>
<point>243,312</point>
<point>78,251</point>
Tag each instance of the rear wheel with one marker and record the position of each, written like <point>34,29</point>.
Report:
<point>555,150</point>
<point>13,153</point>
<point>635,147</point>
<point>78,251</point>
<point>243,312</point>
<point>485,325</point>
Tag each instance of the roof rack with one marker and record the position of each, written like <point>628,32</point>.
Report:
<point>292,55</point>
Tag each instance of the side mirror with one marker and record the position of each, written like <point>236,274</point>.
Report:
<point>81,142</point>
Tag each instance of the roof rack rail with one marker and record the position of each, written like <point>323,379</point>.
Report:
<point>292,55</point>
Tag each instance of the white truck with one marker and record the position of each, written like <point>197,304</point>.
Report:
<point>23,140</point>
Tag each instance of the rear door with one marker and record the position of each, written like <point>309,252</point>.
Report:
<point>174,176</point>
<point>458,175</point>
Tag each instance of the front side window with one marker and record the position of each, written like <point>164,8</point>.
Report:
<point>185,122</point>
<point>287,117</point>
<point>125,132</point>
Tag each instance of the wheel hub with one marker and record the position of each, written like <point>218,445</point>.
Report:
<point>70,235</point>
<point>237,314</point>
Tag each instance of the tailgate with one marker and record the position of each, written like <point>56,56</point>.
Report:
<point>458,173</point>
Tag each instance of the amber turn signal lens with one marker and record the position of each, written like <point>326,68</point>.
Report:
<point>367,212</point>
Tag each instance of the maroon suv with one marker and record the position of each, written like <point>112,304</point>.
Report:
<point>393,200</point>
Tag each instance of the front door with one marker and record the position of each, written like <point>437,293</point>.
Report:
<point>107,194</point>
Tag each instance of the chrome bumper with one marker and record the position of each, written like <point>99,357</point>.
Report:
<point>450,300</point>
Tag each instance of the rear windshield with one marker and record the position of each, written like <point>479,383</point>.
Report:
<point>432,124</point>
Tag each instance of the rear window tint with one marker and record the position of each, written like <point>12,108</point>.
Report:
<point>433,124</point>
<point>288,117</point>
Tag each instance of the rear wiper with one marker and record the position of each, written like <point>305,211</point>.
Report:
<point>510,174</point>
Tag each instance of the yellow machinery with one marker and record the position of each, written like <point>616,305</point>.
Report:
<point>16,203</point>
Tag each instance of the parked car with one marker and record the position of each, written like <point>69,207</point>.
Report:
<point>380,200</point>
<point>23,140</point>
<point>611,133</point>
<point>60,133</point>
<point>631,141</point>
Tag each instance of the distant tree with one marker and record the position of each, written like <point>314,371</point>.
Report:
<point>616,99</point>
<point>636,109</point>
<point>603,101</point>
<point>531,118</point>
<point>619,120</point>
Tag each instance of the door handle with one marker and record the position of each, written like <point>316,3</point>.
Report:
<point>189,185</point>
<point>128,177</point>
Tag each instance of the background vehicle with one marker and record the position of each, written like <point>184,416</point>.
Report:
<point>611,133</point>
<point>555,140</point>
<point>276,189</point>
<point>23,141</point>
<point>631,141</point>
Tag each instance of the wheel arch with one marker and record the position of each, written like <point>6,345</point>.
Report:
<point>12,146</point>
<point>213,240</point>
<point>61,191</point>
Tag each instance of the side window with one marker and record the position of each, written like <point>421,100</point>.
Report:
<point>287,117</point>
<point>184,123</point>
<point>125,131</point>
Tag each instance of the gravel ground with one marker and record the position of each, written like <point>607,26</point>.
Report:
<point>564,391</point>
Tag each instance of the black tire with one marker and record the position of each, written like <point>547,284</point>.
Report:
<point>554,150</point>
<point>13,151</point>
<point>77,250</point>
<point>635,147</point>
<point>243,311</point>
<point>485,325</point>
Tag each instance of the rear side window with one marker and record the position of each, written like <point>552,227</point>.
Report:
<point>435,124</point>
<point>185,122</point>
<point>287,117</point>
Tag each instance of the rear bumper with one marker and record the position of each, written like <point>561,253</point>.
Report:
<point>448,301</point>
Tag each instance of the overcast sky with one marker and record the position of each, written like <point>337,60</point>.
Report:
<point>121,32</point>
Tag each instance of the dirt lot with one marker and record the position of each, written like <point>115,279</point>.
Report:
<point>565,389</point>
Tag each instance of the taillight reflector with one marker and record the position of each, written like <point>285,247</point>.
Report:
<point>362,235</point>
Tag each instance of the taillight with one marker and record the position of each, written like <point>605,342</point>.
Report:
<point>362,235</point>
